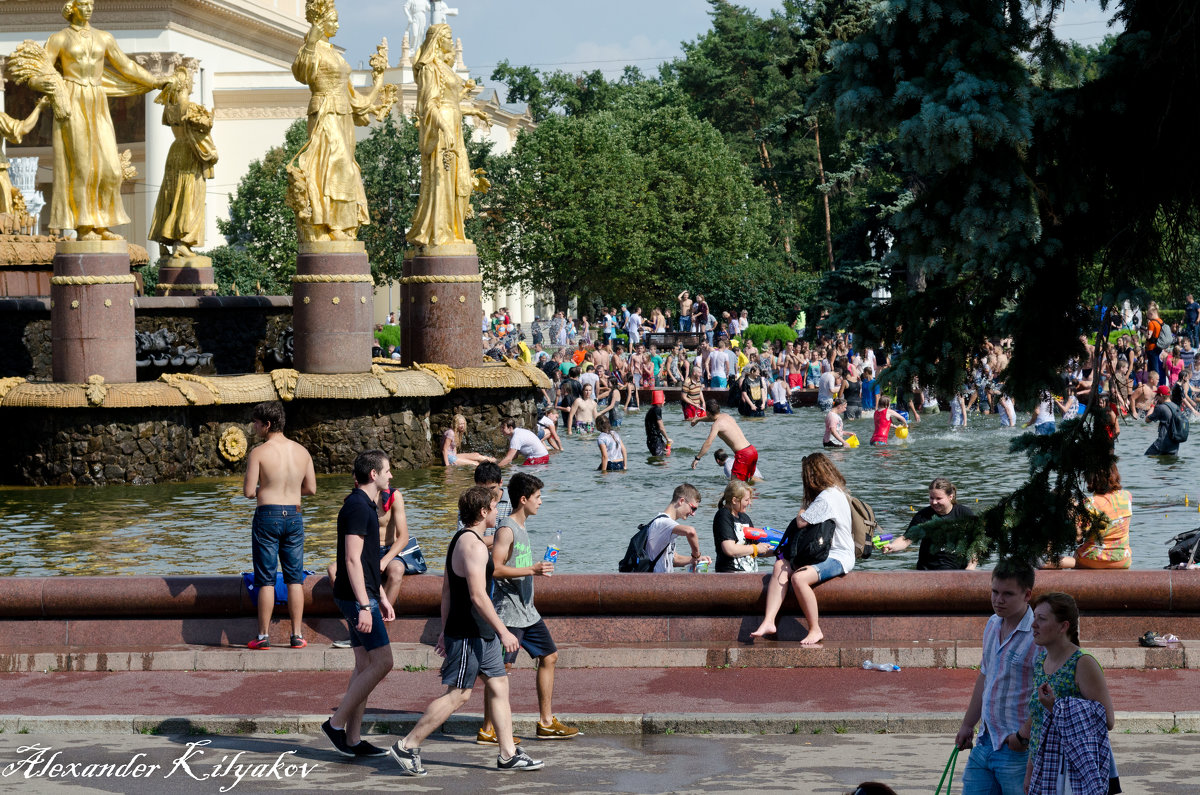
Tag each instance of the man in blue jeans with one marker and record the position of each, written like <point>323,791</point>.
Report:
<point>1003,688</point>
<point>278,473</point>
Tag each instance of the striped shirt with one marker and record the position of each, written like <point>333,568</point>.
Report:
<point>1007,669</point>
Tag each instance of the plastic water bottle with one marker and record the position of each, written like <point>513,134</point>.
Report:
<point>873,666</point>
<point>552,550</point>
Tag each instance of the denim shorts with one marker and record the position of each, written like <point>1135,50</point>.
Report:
<point>277,540</point>
<point>372,640</point>
<point>828,569</point>
<point>825,404</point>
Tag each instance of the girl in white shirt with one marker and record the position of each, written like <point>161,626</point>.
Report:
<point>825,499</point>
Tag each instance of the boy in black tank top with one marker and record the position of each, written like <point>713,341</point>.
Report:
<point>473,641</point>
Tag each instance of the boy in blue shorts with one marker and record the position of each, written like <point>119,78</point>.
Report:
<point>512,597</point>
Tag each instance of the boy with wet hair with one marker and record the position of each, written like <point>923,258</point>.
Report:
<point>1000,700</point>
<point>512,596</point>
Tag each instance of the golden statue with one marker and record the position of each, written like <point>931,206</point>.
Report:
<point>87,168</point>
<point>325,185</point>
<point>179,213</point>
<point>447,180</point>
<point>15,130</point>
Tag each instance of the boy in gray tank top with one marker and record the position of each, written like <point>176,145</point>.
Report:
<point>512,596</point>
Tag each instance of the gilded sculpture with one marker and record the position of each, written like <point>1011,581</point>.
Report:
<point>325,187</point>
<point>15,130</point>
<point>179,214</point>
<point>447,181</point>
<point>87,167</point>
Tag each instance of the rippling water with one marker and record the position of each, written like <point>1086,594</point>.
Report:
<point>203,526</point>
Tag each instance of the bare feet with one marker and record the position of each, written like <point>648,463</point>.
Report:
<point>107,235</point>
<point>763,631</point>
<point>89,236</point>
<point>813,638</point>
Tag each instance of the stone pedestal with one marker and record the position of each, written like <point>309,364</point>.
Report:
<point>331,308</point>
<point>441,307</point>
<point>187,276</point>
<point>91,312</point>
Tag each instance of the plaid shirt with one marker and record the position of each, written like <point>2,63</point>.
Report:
<point>1074,734</point>
<point>1008,677</point>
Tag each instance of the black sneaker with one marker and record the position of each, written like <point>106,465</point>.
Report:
<point>519,761</point>
<point>409,759</point>
<point>338,738</point>
<point>364,748</point>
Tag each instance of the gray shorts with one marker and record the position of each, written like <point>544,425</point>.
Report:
<point>467,658</point>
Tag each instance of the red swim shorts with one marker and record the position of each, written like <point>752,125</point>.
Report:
<point>692,412</point>
<point>745,462</point>
<point>533,462</point>
<point>795,380</point>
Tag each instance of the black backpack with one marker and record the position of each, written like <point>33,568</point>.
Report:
<point>1179,427</point>
<point>637,560</point>
<point>1186,548</point>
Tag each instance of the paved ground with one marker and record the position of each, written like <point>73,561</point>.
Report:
<point>577,691</point>
<point>825,763</point>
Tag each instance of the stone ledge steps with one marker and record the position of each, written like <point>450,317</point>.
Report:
<point>1113,655</point>
<point>801,723</point>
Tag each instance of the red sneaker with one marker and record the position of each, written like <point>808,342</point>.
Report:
<point>298,642</point>
<point>259,644</point>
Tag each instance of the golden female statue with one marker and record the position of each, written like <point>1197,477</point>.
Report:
<point>15,130</point>
<point>325,184</point>
<point>87,168</point>
<point>446,177</point>
<point>179,213</point>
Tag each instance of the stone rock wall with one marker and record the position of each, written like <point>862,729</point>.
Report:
<point>89,447</point>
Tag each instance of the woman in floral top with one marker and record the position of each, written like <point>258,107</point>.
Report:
<point>1115,506</point>
<point>1060,669</point>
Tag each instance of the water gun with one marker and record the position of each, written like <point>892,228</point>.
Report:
<point>881,541</point>
<point>759,535</point>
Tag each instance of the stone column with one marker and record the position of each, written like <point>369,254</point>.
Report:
<point>332,309</point>
<point>91,312</point>
<point>441,305</point>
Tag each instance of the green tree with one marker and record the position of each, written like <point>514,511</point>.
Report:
<point>260,225</point>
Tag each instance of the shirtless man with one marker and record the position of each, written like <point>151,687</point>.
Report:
<point>745,457</point>
<point>685,311</point>
<point>601,356</point>
<point>278,473</point>
<point>1143,396</point>
<point>584,412</point>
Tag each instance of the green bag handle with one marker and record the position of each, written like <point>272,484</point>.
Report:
<point>948,773</point>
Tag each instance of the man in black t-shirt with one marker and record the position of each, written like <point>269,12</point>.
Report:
<point>657,440</point>
<point>357,594</point>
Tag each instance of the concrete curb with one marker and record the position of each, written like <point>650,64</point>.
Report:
<point>800,723</point>
<point>417,656</point>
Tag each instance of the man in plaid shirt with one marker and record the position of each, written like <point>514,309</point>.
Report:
<point>1001,695</point>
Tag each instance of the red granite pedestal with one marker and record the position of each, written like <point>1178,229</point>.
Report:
<point>331,308</point>
<point>91,312</point>
<point>441,306</point>
<point>186,276</point>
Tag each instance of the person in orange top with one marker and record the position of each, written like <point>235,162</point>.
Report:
<point>1115,505</point>
<point>1154,326</point>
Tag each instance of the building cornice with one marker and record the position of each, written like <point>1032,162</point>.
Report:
<point>254,31</point>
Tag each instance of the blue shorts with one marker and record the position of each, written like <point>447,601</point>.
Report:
<point>1044,428</point>
<point>825,404</point>
<point>615,466</point>
<point>534,639</point>
<point>374,639</point>
<point>467,658</point>
<point>827,569</point>
<point>718,382</point>
<point>277,540</point>
<point>783,408</point>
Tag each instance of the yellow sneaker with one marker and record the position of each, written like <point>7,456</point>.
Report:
<point>556,731</point>
<point>488,737</point>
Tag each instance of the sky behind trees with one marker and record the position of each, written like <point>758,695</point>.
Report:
<point>578,36</point>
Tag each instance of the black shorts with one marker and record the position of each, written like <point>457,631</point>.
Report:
<point>534,639</point>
